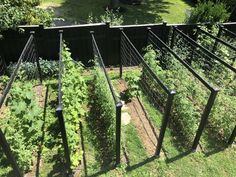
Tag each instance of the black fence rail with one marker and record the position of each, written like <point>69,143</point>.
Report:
<point>59,110</point>
<point>117,103</point>
<point>194,50</point>
<point>220,47</point>
<point>162,97</point>
<point>227,35</point>
<point>165,51</point>
<point>29,56</point>
<point>195,54</point>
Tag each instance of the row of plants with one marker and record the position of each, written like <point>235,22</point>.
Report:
<point>75,93</point>
<point>221,120</point>
<point>21,122</point>
<point>191,97</point>
<point>101,118</point>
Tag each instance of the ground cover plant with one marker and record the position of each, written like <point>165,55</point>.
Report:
<point>23,122</point>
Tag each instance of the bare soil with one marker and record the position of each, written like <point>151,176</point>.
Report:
<point>139,117</point>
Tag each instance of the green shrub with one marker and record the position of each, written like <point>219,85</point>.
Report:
<point>191,95</point>
<point>208,12</point>
<point>22,12</point>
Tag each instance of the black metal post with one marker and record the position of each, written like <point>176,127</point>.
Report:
<point>7,150</point>
<point>118,131</point>
<point>204,118</point>
<point>165,121</point>
<point>59,112</point>
<point>120,60</point>
<point>172,38</point>
<point>37,56</point>
<point>232,137</point>
<point>216,42</point>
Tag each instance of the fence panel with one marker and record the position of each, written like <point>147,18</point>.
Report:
<point>212,68</point>
<point>117,103</point>
<point>167,57</point>
<point>26,68</point>
<point>161,96</point>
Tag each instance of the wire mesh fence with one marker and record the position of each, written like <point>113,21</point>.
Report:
<point>152,86</point>
<point>192,91</point>
<point>227,35</point>
<point>111,129</point>
<point>220,47</point>
<point>217,72</point>
<point>20,109</point>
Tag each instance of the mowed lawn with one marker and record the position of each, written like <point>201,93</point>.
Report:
<point>150,11</point>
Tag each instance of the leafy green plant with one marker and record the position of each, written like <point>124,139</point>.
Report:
<point>14,13</point>
<point>74,94</point>
<point>109,16</point>
<point>133,87</point>
<point>190,98</point>
<point>221,119</point>
<point>208,11</point>
<point>22,123</point>
<point>29,70</point>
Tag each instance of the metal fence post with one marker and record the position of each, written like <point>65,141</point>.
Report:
<point>7,150</point>
<point>232,137</point>
<point>59,113</point>
<point>172,38</point>
<point>216,42</point>
<point>204,118</point>
<point>165,121</point>
<point>120,60</point>
<point>37,56</point>
<point>118,131</point>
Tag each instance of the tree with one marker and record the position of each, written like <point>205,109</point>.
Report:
<point>22,12</point>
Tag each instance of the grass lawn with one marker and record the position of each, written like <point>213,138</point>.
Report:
<point>151,11</point>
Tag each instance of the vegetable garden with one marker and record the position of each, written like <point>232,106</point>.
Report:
<point>51,111</point>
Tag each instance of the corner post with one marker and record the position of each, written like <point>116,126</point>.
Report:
<point>173,37</point>
<point>204,118</point>
<point>216,42</point>
<point>37,56</point>
<point>165,121</point>
<point>232,137</point>
<point>120,58</point>
<point>118,132</point>
<point>59,113</point>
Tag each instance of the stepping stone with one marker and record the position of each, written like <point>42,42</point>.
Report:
<point>125,118</point>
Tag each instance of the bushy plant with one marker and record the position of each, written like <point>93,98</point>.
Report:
<point>74,94</point>
<point>110,16</point>
<point>208,11</point>
<point>29,70</point>
<point>22,123</point>
<point>21,12</point>
<point>221,119</point>
<point>191,96</point>
<point>133,89</point>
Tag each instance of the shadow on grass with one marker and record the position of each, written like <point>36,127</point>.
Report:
<point>79,11</point>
